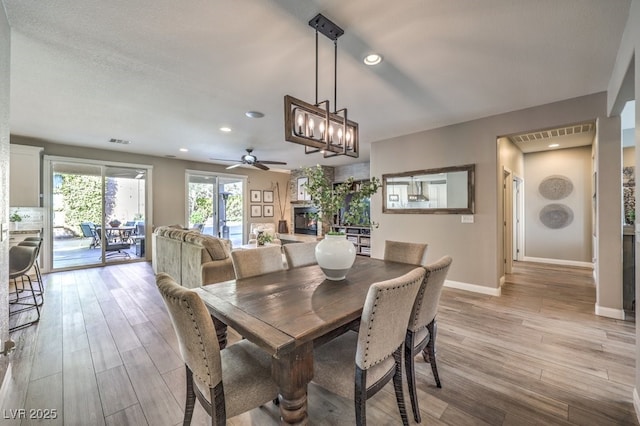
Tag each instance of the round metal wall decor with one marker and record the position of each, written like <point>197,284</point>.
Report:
<point>556,216</point>
<point>555,187</point>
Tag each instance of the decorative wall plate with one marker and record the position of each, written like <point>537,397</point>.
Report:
<point>555,187</point>
<point>556,216</point>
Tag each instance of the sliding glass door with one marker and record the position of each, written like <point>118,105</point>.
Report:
<point>214,204</point>
<point>97,213</point>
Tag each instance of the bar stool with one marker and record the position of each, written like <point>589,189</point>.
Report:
<point>21,260</point>
<point>37,243</point>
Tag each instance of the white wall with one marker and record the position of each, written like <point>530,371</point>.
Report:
<point>5,59</point>
<point>573,242</point>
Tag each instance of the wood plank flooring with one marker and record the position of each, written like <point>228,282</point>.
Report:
<point>104,352</point>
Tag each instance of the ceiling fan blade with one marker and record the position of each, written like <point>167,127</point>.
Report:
<point>221,159</point>
<point>272,162</point>
<point>233,166</point>
<point>260,166</point>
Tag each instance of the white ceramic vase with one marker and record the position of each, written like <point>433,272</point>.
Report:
<point>335,255</point>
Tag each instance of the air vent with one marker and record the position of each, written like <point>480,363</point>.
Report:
<point>554,133</point>
<point>120,141</point>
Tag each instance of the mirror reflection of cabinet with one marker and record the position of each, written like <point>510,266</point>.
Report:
<point>24,178</point>
<point>448,190</point>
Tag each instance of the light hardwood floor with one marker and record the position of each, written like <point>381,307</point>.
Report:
<point>105,353</point>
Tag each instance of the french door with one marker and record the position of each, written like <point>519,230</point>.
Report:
<point>215,204</point>
<point>96,212</point>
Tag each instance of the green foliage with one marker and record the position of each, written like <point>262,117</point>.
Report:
<point>17,217</point>
<point>82,198</point>
<point>264,238</point>
<point>330,198</point>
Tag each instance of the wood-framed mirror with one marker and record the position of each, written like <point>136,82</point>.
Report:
<point>446,190</point>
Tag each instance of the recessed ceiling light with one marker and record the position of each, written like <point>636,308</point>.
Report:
<point>254,114</point>
<point>225,129</point>
<point>554,145</point>
<point>184,150</point>
<point>373,59</point>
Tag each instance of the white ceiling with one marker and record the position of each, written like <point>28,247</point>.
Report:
<point>167,75</point>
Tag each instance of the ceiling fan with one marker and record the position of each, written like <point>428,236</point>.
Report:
<point>250,160</point>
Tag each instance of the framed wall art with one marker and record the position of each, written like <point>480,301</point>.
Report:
<point>267,196</point>
<point>267,211</point>
<point>256,196</point>
<point>256,210</point>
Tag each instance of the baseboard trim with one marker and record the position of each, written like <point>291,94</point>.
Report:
<point>610,312</point>
<point>636,403</point>
<point>4,388</point>
<point>475,288</point>
<point>559,262</point>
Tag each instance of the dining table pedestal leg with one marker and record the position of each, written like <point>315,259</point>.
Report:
<point>292,373</point>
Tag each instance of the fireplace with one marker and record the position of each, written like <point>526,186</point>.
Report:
<point>302,223</point>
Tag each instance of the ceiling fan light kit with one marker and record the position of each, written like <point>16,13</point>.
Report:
<point>314,125</point>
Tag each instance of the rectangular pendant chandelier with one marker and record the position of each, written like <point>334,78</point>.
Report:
<point>314,125</point>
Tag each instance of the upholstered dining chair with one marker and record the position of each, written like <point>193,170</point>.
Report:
<point>421,334</point>
<point>300,254</point>
<point>373,356</point>
<point>403,252</point>
<point>257,261</point>
<point>227,382</point>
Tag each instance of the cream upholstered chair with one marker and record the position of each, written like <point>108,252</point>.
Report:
<point>266,227</point>
<point>258,261</point>
<point>421,334</point>
<point>373,356</point>
<point>300,254</point>
<point>227,382</point>
<point>398,251</point>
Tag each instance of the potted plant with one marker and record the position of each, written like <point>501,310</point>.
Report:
<point>263,238</point>
<point>115,223</point>
<point>14,218</point>
<point>335,254</point>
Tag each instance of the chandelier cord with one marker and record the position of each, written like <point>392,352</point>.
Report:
<point>335,76</point>
<point>316,67</point>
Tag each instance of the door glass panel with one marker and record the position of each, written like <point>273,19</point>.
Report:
<point>76,209</point>
<point>215,206</point>
<point>230,210</point>
<point>124,207</point>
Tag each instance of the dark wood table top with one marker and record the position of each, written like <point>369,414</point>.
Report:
<point>282,310</point>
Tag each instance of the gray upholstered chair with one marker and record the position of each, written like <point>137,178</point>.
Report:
<point>373,356</point>
<point>21,260</point>
<point>421,334</point>
<point>300,254</point>
<point>399,251</point>
<point>227,382</point>
<point>257,261</point>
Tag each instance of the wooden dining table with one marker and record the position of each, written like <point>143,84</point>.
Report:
<point>286,313</point>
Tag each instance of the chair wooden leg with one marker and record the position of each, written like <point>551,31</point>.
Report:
<point>397,386</point>
<point>219,415</point>
<point>431,350</point>
<point>360,400</point>
<point>190,403</point>
<point>409,365</point>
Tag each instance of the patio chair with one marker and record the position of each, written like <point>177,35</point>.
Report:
<point>89,231</point>
<point>113,249</point>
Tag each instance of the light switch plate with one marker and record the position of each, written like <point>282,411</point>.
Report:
<point>466,218</point>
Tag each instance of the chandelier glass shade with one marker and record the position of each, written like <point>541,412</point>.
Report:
<point>314,125</point>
